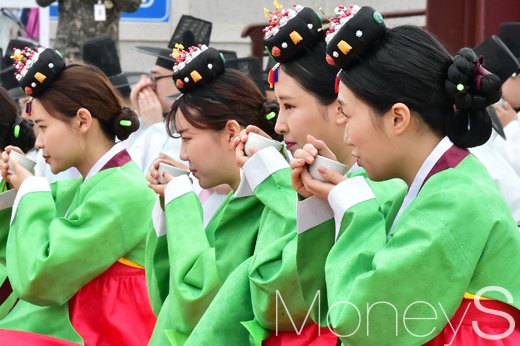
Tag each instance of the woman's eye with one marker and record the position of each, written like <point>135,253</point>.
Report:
<point>287,106</point>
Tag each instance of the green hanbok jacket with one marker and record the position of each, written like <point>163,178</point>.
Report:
<point>64,235</point>
<point>188,263</point>
<point>400,282</point>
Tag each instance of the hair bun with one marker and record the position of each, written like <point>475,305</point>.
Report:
<point>20,134</point>
<point>471,88</point>
<point>125,123</point>
<point>469,84</point>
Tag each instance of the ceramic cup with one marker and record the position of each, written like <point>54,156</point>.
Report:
<point>28,164</point>
<point>327,163</point>
<point>260,142</point>
<point>173,171</point>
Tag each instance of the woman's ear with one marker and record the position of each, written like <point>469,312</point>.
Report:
<point>83,120</point>
<point>232,130</point>
<point>398,118</point>
<point>334,111</point>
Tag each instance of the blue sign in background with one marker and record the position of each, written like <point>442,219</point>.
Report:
<point>151,11</point>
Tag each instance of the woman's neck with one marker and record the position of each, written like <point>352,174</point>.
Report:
<point>414,159</point>
<point>92,155</point>
<point>234,181</point>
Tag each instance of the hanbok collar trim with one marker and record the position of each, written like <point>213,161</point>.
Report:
<point>445,155</point>
<point>112,158</point>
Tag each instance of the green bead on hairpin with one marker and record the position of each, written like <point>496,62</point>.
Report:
<point>125,123</point>
<point>16,131</point>
<point>270,115</point>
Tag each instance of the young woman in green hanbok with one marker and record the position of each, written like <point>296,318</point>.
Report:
<point>14,130</point>
<point>304,85</point>
<point>445,269</point>
<point>187,261</point>
<point>74,249</point>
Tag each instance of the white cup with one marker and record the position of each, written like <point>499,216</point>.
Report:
<point>260,142</point>
<point>171,170</point>
<point>28,164</point>
<point>327,163</point>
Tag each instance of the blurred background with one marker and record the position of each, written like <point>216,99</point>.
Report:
<point>236,25</point>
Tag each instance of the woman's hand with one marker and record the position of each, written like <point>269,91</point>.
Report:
<point>150,107</point>
<point>240,142</point>
<point>320,188</point>
<point>315,147</point>
<point>20,173</point>
<point>304,184</point>
<point>298,166</point>
<point>153,174</point>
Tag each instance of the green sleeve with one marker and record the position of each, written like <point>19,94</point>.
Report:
<point>389,196</point>
<point>276,297</point>
<point>66,190</point>
<point>193,274</point>
<point>235,232</point>
<point>313,247</point>
<point>157,268</point>
<point>279,215</point>
<point>420,273</point>
<point>5,216</point>
<point>50,257</point>
<point>221,324</point>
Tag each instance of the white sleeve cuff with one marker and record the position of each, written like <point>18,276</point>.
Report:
<point>177,187</point>
<point>30,184</point>
<point>262,165</point>
<point>243,189</point>
<point>158,219</point>
<point>7,199</point>
<point>347,194</point>
<point>312,212</point>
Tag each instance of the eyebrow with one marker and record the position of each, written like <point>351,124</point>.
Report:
<point>285,97</point>
<point>37,121</point>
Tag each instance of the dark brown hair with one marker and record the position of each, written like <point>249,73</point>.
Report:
<point>85,86</point>
<point>230,96</point>
<point>9,119</point>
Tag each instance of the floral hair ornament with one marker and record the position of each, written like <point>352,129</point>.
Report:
<point>290,31</point>
<point>196,66</point>
<point>353,30</point>
<point>36,69</point>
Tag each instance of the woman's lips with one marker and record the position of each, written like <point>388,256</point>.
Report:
<point>289,145</point>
